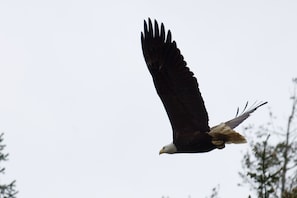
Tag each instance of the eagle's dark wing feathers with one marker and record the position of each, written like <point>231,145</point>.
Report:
<point>174,82</point>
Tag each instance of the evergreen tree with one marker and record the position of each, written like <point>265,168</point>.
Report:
<point>6,190</point>
<point>271,168</point>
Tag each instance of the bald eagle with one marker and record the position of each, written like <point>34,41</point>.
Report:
<point>178,89</point>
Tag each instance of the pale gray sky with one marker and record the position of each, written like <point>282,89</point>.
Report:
<point>81,116</point>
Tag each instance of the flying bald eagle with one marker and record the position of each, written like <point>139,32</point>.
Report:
<point>178,89</point>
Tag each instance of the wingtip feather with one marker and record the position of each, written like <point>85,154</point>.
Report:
<point>168,39</point>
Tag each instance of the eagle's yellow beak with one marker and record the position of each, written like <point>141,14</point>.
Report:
<point>161,151</point>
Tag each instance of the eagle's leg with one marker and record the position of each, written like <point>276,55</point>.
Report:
<point>220,144</point>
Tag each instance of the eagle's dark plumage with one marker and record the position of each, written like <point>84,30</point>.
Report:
<point>178,89</point>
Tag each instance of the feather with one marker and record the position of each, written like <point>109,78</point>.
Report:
<point>244,114</point>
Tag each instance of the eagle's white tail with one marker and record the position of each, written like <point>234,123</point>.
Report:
<point>222,134</point>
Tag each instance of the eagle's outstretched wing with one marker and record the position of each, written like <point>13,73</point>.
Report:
<point>174,82</point>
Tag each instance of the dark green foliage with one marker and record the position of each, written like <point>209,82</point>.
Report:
<point>262,168</point>
<point>6,190</point>
<point>292,194</point>
<point>215,192</point>
<point>270,168</point>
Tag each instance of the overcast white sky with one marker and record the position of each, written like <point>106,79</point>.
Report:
<point>79,111</point>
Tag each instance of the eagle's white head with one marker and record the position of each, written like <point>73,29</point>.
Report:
<point>169,149</point>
